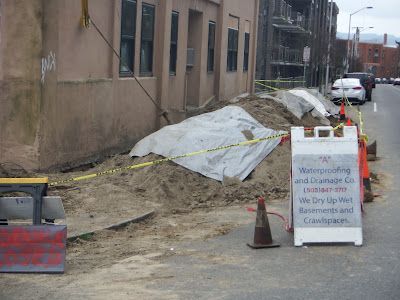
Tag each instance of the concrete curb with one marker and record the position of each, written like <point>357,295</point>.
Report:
<point>114,226</point>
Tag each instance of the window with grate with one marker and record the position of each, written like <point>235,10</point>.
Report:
<point>211,47</point>
<point>173,52</point>
<point>127,44</point>
<point>246,51</point>
<point>232,49</point>
<point>147,40</point>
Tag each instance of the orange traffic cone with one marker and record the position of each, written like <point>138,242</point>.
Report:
<point>262,231</point>
<point>348,122</point>
<point>342,112</point>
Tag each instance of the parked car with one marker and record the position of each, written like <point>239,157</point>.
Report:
<point>365,80</point>
<point>378,80</point>
<point>397,81</point>
<point>391,80</point>
<point>349,87</point>
<point>384,80</point>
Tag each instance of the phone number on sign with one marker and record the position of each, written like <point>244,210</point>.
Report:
<point>325,190</point>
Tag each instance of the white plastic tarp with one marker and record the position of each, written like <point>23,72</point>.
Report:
<point>329,105</point>
<point>318,106</point>
<point>226,126</point>
<point>295,104</point>
<point>299,105</point>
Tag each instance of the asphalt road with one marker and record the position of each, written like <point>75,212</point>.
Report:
<point>228,269</point>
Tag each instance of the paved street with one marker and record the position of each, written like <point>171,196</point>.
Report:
<point>225,268</point>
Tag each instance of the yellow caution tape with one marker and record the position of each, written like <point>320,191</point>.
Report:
<point>267,86</point>
<point>360,119</point>
<point>158,161</point>
<point>279,81</point>
<point>341,125</point>
<point>271,87</point>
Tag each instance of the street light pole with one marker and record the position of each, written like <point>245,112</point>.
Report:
<point>356,40</point>
<point>348,36</point>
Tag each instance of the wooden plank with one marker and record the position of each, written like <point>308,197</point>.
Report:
<point>22,208</point>
<point>24,180</point>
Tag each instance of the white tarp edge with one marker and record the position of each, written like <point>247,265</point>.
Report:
<point>229,125</point>
<point>299,103</point>
<point>329,105</point>
<point>295,104</point>
<point>313,100</point>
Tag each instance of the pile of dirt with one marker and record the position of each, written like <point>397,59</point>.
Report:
<point>8,169</point>
<point>186,203</point>
<point>169,188</point>
<point>268,112</point>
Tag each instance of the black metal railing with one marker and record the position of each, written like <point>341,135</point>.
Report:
<point>285,15</point>
<point>282,54</point>
<point>283,9</point>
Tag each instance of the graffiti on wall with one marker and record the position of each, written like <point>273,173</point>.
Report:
<point>48,64</point>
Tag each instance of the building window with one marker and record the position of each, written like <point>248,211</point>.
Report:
<point>232,49</point>
<point>173,52</point>
<point>127,45</point>
<point>246,51</point>
<point>147,40</point>
<point>211,46</point>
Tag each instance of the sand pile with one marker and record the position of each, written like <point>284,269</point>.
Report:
<point>169,188</point>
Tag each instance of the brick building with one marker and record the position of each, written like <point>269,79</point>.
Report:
<point>378,58</point>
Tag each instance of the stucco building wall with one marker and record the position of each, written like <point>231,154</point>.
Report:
<point>20,89</point>
<point>63,100</point>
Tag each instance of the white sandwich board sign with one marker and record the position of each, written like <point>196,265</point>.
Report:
<point>325,185</point>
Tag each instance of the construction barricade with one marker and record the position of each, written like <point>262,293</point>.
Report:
<point>325,185</point>
<point>36,248</point>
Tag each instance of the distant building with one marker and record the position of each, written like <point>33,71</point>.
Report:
<point>285,28</point>
<point>379,59</point>
<point>66,98</point>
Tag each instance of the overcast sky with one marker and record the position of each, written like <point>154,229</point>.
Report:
<point>384,17</point>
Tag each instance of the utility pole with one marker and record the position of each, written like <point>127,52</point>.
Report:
<point>348,37</point>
